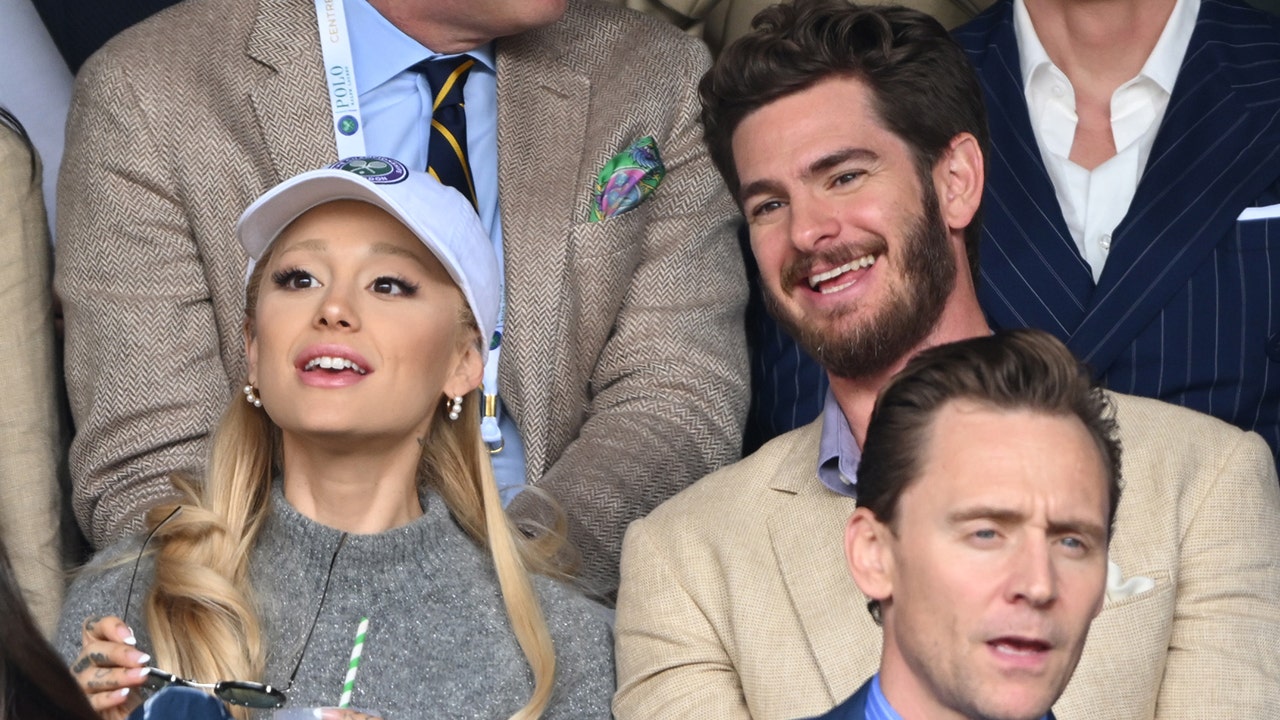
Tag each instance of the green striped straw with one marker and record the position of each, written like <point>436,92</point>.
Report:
<point>350,683</point>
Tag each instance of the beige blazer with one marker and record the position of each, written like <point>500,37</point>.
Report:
<point>30,431</point>
<point>735,601</point>
<point>624,362</point>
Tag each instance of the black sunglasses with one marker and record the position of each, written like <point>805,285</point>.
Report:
<point>236,692</point>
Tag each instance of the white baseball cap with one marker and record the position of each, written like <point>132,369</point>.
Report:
<point>438,215</point>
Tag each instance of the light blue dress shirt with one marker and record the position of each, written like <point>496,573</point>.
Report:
<point>878,707</point>
<point>396,107</point>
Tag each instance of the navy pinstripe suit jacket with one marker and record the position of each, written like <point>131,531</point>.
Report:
<point>1187,308</point>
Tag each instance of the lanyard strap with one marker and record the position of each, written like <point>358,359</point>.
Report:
<point>344,101</point>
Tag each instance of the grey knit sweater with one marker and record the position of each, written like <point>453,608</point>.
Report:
<point>439,644</point>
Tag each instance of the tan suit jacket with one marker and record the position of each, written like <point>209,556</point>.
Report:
<point>736,601</point>
<point>624,361</point>
<point>30,431</point>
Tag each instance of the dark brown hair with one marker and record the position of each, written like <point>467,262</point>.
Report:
<point>34,682</point>
<point>923,87</point>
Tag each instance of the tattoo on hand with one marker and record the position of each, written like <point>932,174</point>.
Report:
<point>91,623</point>
<point>80,665</point>
<point>99,659</point>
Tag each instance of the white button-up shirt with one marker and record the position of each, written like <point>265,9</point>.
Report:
<point>1094,201</point>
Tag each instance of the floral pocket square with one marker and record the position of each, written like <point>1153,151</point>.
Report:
<point>627,179</point>
<point>1118,588</point>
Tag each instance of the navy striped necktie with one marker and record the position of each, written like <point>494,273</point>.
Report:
<point>447,147</point>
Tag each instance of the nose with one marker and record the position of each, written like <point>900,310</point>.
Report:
<point>1033,578</point>
<point>337,310</point>
<point>812,221</point>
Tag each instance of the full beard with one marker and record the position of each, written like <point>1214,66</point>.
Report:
<point>873,347</point>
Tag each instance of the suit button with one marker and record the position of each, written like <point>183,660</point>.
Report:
<point>1273,348</point>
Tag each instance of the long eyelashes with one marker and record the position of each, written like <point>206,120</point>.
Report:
<point>395,285</point>
<point>294,278</point>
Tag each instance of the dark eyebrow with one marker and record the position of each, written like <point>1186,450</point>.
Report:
<point>839,157</point>
<point>982,512</point>
<point>1086,528</point>
<point>1004,516</point>
<point>759,187</point>
<point>817,167</point>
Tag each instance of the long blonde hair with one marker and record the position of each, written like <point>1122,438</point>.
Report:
<point>200,610</point>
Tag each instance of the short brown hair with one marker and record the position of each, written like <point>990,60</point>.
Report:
<point>924,90</point>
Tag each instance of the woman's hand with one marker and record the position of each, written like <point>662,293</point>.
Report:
<point>109,666</point>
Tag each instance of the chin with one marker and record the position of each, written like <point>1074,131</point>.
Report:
<point>1017,704</point>
<point>316,429</point>
<point>545,12</point>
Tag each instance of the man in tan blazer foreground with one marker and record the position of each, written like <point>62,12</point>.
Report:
<point>987,493</point>
<point>857,156</point>
<point>623,361</point>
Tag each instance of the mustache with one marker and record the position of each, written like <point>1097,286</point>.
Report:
<point>802,266</point>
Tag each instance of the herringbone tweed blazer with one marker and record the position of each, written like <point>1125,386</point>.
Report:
<point>624,361</point>
<point>31,441</point>
<point>736,601</point>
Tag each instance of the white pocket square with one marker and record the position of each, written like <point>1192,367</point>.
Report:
<point>1118,588</point>
<point>1266,212</point>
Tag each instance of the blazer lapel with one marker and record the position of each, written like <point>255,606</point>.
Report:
<point>1033,273</point>
<point>290,102</point>
<point>808,544</point>
<point>542,106</point>
<point>1215,152</point>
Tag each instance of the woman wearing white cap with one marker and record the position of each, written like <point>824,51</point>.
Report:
<point>348,492</point>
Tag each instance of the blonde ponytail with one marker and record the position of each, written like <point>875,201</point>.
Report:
<point>200,609</point>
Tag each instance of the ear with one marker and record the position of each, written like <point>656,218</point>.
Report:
<point>468,370</point>
<point>869,554</point>
<point>251,351</point>
<point>959,177</point>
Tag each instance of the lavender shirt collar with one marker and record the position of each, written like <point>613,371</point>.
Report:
<point>838,452</point>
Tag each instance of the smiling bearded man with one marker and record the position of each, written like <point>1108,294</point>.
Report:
<point>874,346</point>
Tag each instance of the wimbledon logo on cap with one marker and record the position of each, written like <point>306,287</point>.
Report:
<point>376,169</point>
